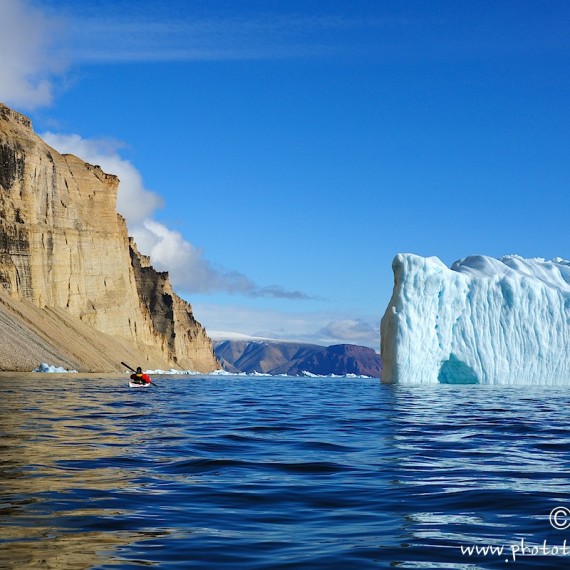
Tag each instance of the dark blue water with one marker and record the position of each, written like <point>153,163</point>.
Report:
<point>216,472</point>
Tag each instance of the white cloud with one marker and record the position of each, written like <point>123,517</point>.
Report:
<point>37,45</point>
<point>316,327</point>
<point>350,330</point>
<point>187,36</point>
<point>189,270</point>
<point>29,62</point>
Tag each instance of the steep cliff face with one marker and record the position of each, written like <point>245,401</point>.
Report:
<point>181,336</point>
<point>63,245</point>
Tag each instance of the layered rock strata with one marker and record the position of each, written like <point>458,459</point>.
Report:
<point>64,247</point>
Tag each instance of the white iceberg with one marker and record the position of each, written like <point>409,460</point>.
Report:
<point>484,321</point>
<point>50,368</point>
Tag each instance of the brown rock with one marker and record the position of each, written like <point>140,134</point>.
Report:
<point>64,248</point>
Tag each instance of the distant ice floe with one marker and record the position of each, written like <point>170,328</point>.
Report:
<point>308,374</point>
<point>43,367</point>
<point>172,371</point>
<point>305,374</point>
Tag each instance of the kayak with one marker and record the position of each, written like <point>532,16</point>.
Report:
<point>138,385</point>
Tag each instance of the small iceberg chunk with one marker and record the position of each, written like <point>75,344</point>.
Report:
<point>43,367</point>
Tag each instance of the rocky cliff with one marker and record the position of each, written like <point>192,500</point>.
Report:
<point>64,247</point>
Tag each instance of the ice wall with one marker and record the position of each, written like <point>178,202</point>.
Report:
<point>485,321</point>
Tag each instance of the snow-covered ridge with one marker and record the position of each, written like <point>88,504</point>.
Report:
<point>220,336</point>
<point>485,320</point>
<point>554,273</point>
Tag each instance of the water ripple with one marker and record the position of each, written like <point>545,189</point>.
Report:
<point>272,473</point>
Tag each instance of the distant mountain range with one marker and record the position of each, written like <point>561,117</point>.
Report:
<point>293,359</point>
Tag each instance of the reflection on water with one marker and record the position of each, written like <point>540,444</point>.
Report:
<point>275,473</point>
<point>484,466</point>
<point>62,469</point>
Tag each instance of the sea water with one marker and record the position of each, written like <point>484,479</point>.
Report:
<point>239,472</point>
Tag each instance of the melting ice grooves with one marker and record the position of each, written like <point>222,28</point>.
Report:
<point>484,321</point>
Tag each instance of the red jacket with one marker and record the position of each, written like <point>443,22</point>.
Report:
<point>141,377</point>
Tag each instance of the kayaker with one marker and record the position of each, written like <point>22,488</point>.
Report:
<point>140,377</point>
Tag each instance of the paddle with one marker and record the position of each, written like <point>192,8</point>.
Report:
<point>131,368</point>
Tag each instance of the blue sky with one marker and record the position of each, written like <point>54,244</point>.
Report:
<point>276,155</point>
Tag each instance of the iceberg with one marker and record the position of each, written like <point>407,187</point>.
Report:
<point>50,368</point>
<point>482,321</point>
